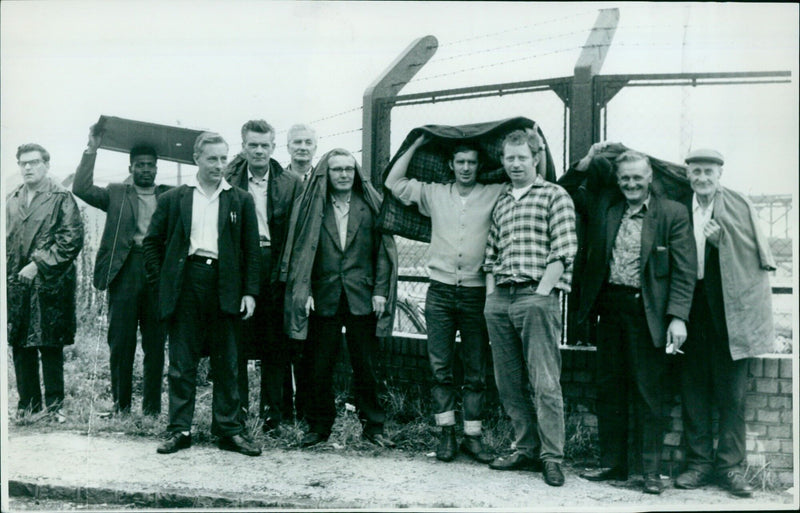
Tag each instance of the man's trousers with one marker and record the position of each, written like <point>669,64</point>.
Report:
<point>448,309</point>
<point>199,323</point>
<point>630,369</point>
<point>525,331</point>
<point>710,377</point>
<point>325,339</point>
<point>134,304</point>
<point>26,369</point>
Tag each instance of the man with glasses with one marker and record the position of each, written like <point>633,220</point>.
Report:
<point>119,267</point>
<point>342,272</point>
<point>44,234</point>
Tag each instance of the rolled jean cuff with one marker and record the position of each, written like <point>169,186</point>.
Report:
<point>447,418</point>
<point>472,427</point>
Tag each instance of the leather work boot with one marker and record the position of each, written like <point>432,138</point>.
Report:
<point>473,446</point>
<point>446,450</point>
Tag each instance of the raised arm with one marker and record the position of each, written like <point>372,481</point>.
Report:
<point>396,180</point>
<point>83,186</point>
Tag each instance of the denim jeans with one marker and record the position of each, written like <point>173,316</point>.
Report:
<point>449,308</point>
<point>524,330</point>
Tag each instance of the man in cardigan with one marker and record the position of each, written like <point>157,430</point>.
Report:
<point>274,191</point>
<point>730,322</point>
<point>460,215</point>
<point>119,267</point>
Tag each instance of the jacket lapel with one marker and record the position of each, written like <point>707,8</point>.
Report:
<point>132,199</point>
<point>329,224</point>
<point>270,189</point>
<point>224,212</point>
<point>354,219</point>
<point>648,232</point>
<point>186,210</point>
<point>613,220</point>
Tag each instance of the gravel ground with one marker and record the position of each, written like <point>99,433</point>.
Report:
<point>125,472</point>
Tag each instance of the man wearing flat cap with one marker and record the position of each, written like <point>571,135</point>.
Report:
<point>730,322</point>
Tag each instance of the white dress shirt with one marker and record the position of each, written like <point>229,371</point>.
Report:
<point>341,211</point>
<point>203,240</point>
<point>258,188</point>
<point>701,216</point>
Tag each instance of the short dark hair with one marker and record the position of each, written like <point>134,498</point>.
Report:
<point>257,125</point>
<point>207,138</point>
<point>28,147</point>
<point>464,146</point>
<point>142,149</point>
<point>520,137</point>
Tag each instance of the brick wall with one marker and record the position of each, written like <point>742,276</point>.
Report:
<point>404,362</point>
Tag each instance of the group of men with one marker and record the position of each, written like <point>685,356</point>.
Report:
<point>249,260</point>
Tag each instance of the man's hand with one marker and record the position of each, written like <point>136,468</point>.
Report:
<point>422,139</point>
<point>95,138</point>
<point>378,305</point>
<point>28,273</point>
<point>676,336</point>
<point>594,150</point>
<point>309,305</point>
<point>713,232</point>
<point>248,306</point>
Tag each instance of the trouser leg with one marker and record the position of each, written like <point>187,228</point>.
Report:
<point>53,375</point>
<point>440,318</point>
<point>325,335</point>
<point>123,316</point>
<point>153,340</point>
<point>362,346</point>
<point>26,369</point>
<point>225,402</point>
<point>730,385</point>
<point>510,371</point>
<point>474,354</point>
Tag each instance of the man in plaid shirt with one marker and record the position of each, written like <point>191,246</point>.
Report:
<point>529,254</point>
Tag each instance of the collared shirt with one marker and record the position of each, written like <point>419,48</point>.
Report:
<point>203,239</point>
<point>529,234</point>
<point>258,188</point>
<point>146,205</point>
<point>341,212</point>
<point>305,176</point>
<point>625,265</point>
<point>701,216</point>
<point>459,227</point>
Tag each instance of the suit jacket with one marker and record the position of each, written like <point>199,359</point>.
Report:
<point>166,247</point>
<point>283,188</point>
<point>360,269</point>
<point>119,202</point>
<point>668,265</point>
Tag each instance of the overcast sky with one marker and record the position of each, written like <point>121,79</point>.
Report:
<point>214,65</point>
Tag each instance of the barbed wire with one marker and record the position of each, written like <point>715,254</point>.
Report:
<point>326,118</point>
<point>359,129</point>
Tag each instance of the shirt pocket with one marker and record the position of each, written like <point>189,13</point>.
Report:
<point>661,261</point>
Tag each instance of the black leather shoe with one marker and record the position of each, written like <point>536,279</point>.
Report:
<point>605,474</point>
<point>734,482</point>
<point>516,461</point>
<point>380,439</point>
<point>240,444</point>
<point>692,479</point>
<point>473,446</point>
<point>553,474</point>
<point>653,484</point>
<point>446,450</point>
<point>175,443</point>
<point>311,438</point>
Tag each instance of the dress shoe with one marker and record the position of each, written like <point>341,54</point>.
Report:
<point>446,450</point>
<point>652,484</point>
<point>380,439</point>
<point>473,446</point>
<point>605,474</point>
<point>692,479</point>
<point>553,474</point>
<point>175,443</point>
<point>517,461</point>
<point>311,438</point>
<point>735,483</point>
<point>240,444</point>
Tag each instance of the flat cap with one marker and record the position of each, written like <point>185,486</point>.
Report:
<point>705,155</point>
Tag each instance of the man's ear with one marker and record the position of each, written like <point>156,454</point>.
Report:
<point>450,165</point>
<point>194,157</point>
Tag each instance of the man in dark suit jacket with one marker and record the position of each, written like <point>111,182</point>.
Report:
<point>639,275</point>
<point>350,283</point>
<point>274,191</point>
<point>119,267</point>
<point>201,252</point>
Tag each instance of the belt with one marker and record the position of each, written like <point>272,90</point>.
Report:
<point>197,259</point>
<point>518,286</point>
<point>624,289</point>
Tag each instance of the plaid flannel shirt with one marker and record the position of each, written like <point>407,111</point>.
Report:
<point>529,234</point>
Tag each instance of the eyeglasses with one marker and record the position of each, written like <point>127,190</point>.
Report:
<point>347,170</point>
<point>31,163</point>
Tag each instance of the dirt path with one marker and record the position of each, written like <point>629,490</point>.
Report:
<point>322,478</point>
